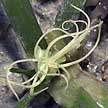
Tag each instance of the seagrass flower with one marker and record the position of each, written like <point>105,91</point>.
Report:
<point>47,59</point>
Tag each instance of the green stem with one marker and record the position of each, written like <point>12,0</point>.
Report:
<point>73,44</point>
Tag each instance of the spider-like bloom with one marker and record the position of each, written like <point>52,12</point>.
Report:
<point>48,60</point>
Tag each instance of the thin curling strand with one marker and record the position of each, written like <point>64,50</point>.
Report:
<point>72,22</point>
<point>76,26</point>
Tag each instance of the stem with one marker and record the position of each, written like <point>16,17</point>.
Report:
<point>73,44</point>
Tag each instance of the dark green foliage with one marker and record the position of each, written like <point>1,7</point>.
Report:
<point>21,17</point>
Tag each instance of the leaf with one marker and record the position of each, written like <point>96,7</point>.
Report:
<point>28,73</point>
<point>68,12</point>
<point>73,97</point>
<point>84,91</point>
<point>24,23</point>
<point>84,100</point>
<point>97,89</point>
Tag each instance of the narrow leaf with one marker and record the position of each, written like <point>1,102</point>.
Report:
<point>28,73</point>
<point>21,17</point>
<point>24,101</point>
<point>84,91</point>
